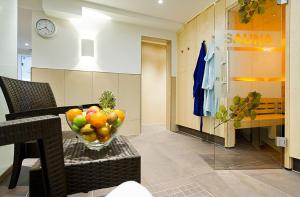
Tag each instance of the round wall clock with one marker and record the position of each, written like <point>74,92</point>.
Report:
<point>45,28</point>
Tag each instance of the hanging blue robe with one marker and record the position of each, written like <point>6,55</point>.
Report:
<point>198,92</point>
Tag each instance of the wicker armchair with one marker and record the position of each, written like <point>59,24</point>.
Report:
<point>28,99</point>
<point>46,131</point>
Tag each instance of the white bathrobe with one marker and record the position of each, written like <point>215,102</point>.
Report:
<point>210,105</point>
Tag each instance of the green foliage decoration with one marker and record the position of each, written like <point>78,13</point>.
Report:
<point>107,100</point>
<point>239,109</point>
<point>248,8</point>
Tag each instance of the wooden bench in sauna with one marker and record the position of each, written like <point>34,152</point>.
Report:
<point>270,114</point>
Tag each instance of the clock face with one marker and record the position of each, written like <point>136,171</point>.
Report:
<point>45,28</point>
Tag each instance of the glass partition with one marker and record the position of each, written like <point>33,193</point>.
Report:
<point>250,57</point>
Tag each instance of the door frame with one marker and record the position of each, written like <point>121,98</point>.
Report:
<point>170,81</point>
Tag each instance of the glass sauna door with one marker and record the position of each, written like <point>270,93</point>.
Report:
<point>255,62</point>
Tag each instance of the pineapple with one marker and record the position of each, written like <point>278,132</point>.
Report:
<point>107,101</point>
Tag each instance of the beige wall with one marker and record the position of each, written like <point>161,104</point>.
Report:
<point>82,87</point>
<point>153,84</point>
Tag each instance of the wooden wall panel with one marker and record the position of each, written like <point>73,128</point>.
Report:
<point>205,25</point>
<point>202,27</point>
<point>55,78</point>
<point>78,87</point>
<point>130,101</point>
<point>191,34</point>
<point>181,51</point>
<point>102,82</point>
<point>173,104</point>
<point>181,99</point>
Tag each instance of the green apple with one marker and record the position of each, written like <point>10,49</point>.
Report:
<point>75,128</point>
<point>79,121</point>
<point>117,123</point>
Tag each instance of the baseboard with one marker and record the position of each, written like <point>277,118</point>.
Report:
<point>296,165</point>
<point>5,174</point>
<point>205,136</point>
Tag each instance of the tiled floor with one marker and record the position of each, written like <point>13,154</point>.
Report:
<point>174,165</point>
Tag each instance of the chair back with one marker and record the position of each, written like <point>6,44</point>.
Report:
<point>23,96</point>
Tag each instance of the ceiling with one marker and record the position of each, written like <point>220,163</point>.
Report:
<point>175,10</point>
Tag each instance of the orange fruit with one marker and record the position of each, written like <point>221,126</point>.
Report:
<point>98,119</point>
<point>120,114</point>
<point>72,113</point>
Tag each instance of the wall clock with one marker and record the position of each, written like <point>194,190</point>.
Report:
<point>45,28</point>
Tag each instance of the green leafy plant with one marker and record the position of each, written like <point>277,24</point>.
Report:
<point>107,100</point>
<point>248,8</point>
<point>240,108</point>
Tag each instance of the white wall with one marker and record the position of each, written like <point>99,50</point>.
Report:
<point>8,63</point>
<point>117,47</point>
<point>154,60</point>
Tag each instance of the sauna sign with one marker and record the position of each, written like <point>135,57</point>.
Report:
<point>253,38</point>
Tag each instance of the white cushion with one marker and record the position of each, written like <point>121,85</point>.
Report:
<point>130,189</point>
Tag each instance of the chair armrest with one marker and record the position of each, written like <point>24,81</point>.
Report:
<point>26,129</point>
<point>47,131</point>
<point>46,111</point>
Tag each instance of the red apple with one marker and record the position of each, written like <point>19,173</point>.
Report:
<point>88,116</point>
<point>94,110</point>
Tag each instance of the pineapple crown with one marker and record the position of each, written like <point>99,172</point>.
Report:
<point>107,100</point>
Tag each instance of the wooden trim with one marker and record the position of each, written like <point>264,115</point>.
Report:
<point>205,136</point>
<point>170,122</point>
<point>5,174</point>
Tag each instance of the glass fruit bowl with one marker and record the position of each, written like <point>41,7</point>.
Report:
<point>95,127</point>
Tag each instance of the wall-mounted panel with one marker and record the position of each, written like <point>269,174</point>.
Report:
<point>130,101</point>
<point>103,82</point>
<point>78,87</point>
<point>55,78</point>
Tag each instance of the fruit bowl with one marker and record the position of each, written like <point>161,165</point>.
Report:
<point>95,127</point>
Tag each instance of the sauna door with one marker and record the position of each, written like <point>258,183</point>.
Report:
<point>255,62</point>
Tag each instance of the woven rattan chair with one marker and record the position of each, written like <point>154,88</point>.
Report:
<point>46,131</point>
<point>28,99</point>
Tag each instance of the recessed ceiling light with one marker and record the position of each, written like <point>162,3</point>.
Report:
<point>26,44</point>
<point>160,1</point>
